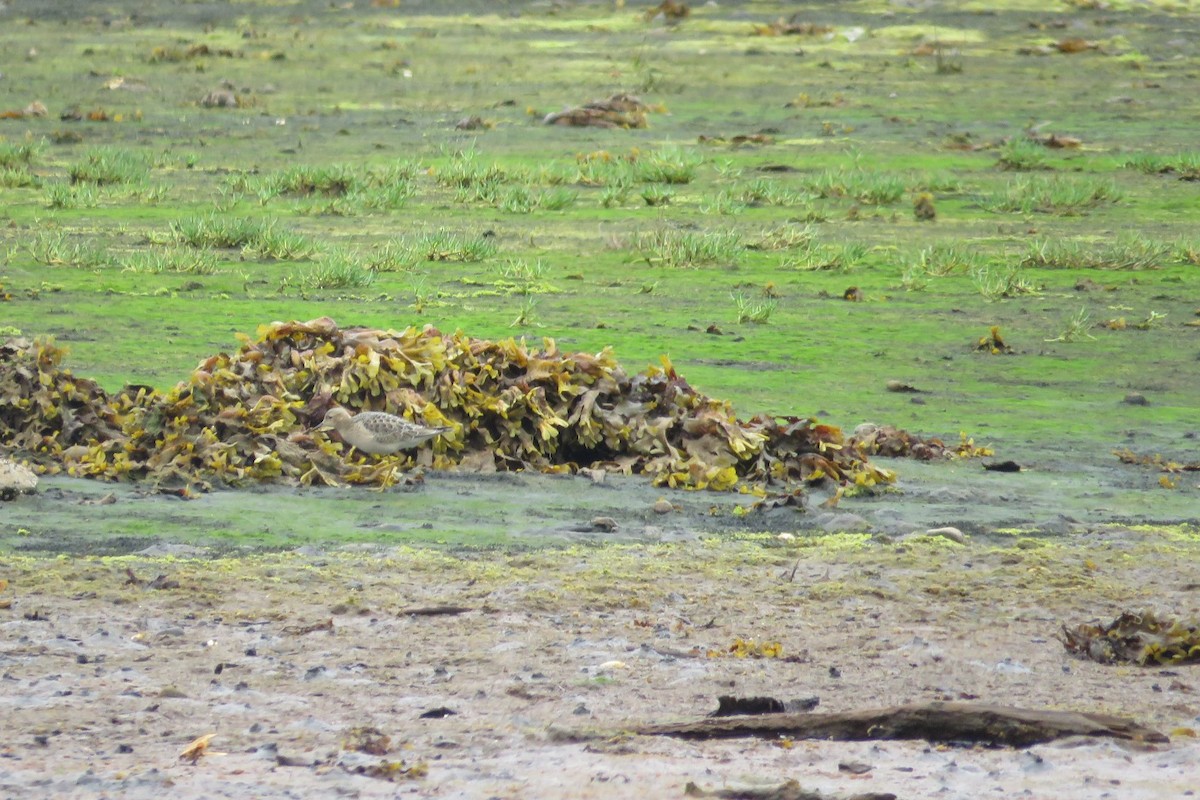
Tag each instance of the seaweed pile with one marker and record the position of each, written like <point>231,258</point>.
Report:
<point>249,416</point>
<point>1142,638</point>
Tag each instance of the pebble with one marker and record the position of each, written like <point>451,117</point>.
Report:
<point>663,506</point>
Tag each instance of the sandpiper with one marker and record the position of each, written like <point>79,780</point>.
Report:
<point>377,432</point>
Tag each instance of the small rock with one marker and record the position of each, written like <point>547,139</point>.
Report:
<point>220,98</point>
<point>15,479</point>
<point>953,534</point>
<point>843,523</point>
<point>663,506</point>
<point>854,767</point>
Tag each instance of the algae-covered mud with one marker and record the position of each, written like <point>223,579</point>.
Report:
<point>406,670</point>
<point>964,220</point>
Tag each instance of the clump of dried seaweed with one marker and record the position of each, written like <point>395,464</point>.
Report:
<point>249,416</point>
<point>1138,638</point>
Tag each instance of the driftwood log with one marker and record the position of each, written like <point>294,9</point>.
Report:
<point>973,723</point>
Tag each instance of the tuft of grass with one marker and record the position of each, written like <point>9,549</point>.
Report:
<point>183,260</point>
<point>222,231</point>
<point>864,186</point>
<point>657,196</point>
<point>1052,195</point>
<point>757,311</point>
<point>1075,328</point>
<point>1022,154</point>
<point>788,236</point>
<point>996,282</point>
<point>105,166</point>
<point>64,195</point>
<point>19,155</point>
<point>766,192</point>
<point>1128,252</point>
<point>338,269</point>
<point>827,257</point>
<point>946,258</point>
<point>55,248</point>
<point>1185,166</point>
<point>667,165</point>
<point>18,177</point>
<point>526,314</point>
<point>674,248</point>
<point>443,245</point>
<point>465,170</point>
<point>256,238</point>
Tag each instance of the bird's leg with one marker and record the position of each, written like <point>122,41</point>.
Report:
<point>389,475</point>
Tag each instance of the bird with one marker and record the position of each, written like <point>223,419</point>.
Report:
<point>379,433</point>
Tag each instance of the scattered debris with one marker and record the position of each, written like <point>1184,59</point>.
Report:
<point>35,109</point>
<point>1156,460</point>
<point>670,10</point>
<point>993,343</point>
<point>953,723</point>
<point>441,712</point>
<point>198,749</point>
<point>729,706</point>
<point>1136,638</point>
<point>605,524</point>
<point>434,611</point>
<point>953,534</point>
<point>788,790</point>
<point>367,740</point>
<point>792,26</point>
<point>923,208</point>
<point>622,110</point>
<point>741,140</point>
<point>473,123</point>
<point>221,98</point>
<point>301,630</point>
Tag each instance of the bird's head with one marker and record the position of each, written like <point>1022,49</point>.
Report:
<point>333,418</point>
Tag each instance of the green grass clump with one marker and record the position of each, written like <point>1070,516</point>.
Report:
<point>1022,154</point>
<point>443,245</point>
<point>256,237</point>
<point>57,249</point>
<point>674,248</point>
<point>105,166</point>
<point>1055,194</point>
<point>946,258</point>
<point>996,282</point>
<point>1128,252</point>
<point>18,177</point>
<point>18,155</point>
<point>757,311</point>
<point>181,260</point>
<point>338,269</point>
<point>869,187</point>
<point>1186,166</point>
<point>667,165</point>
